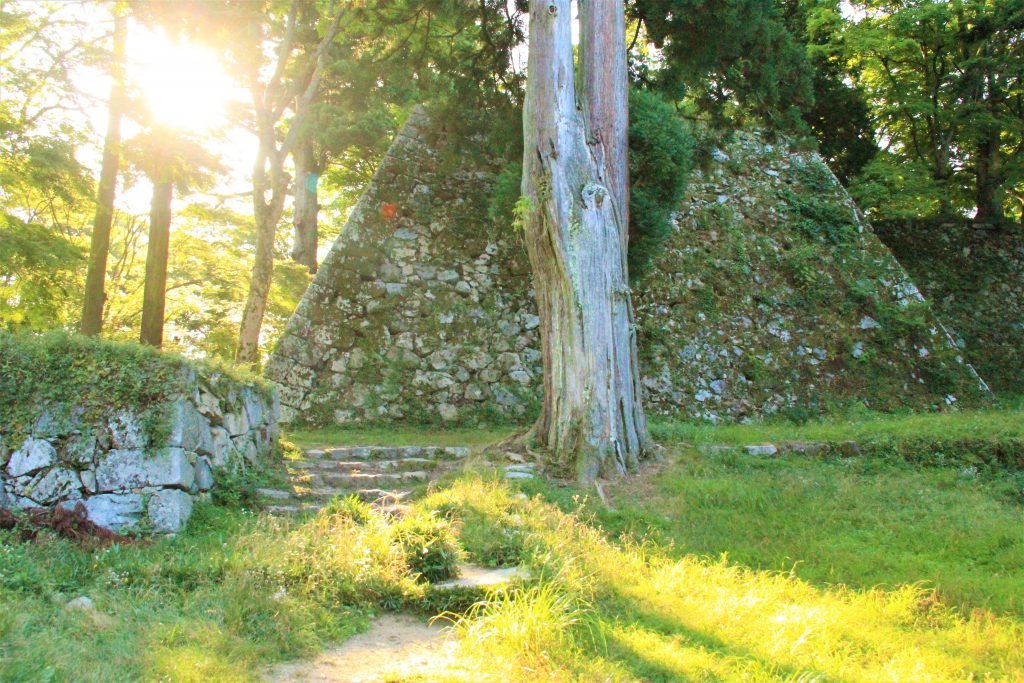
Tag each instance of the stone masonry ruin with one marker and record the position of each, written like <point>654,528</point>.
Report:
<point>132,466</point>
<point>772,295</point>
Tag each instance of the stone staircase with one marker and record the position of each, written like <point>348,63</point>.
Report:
<point>382,475</point>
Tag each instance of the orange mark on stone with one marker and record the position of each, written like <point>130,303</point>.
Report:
<point>389,210</point>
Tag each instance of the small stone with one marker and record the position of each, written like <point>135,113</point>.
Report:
<point>448,412</point>
<point>448,276</point>
<point>463,287</point>
<point>80,604</point>
<point>761,449</point>
<point>868,323</point>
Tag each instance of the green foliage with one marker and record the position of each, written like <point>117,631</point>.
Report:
<point>941,79</point>
<point>63,373</point>
<point>660,160</point>
<point>754,65</point>
<point>506,195</point>
<point>431,548</point>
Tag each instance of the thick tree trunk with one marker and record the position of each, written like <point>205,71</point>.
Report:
<point>574,184</point>
<point>988,191</point>
<point>99,246</point>
<point>307,174</point>
<point>155,287</point>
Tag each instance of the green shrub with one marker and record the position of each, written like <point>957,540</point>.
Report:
<point>660,161</point>
<point>430,546</point>
<point>351,507</point>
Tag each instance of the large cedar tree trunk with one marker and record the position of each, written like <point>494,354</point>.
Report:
<point>99,246</point>
<point>155,286</point>
<point>575,190</point>
<point>306,209</point>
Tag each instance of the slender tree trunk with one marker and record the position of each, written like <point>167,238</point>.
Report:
<point>988,191</point>
<point>307,174</point>
<point>95,297</point>
<point>155,286</point>
<point>267,214</point>
<point>575,185</point>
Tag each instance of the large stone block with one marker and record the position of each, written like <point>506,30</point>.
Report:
<point>53,486</point>
<point>189,429</point>
<point>112,511</point>
<point>34,455</point>
<point>169,510</point>
<point>132,468</point>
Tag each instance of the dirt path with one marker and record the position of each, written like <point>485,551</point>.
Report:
<point>396,647</point>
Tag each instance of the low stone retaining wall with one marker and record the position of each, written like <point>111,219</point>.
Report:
<point>137,466</point>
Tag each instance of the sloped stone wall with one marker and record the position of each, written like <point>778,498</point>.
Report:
<point>770,296</point>
<point>130,470</point>
<point>420,311</point>
<point>974,276</point>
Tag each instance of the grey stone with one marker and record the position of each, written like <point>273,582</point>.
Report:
<point>505,397</point>
<point>209,406</point>
<point>761,449</point>
<point>169,510</point>
<point>447,276</point>
<point>463,287</point>
<point>474,392</point>
<point>223,448</point>
<point>126,430</point>
<point>448,412</point>
<point>255,407</point>
<point>113,510</point>
<point>33,455</point>
<point>189,429</point>
<point>132,468</point>
<point>80,604</point>
<point>522,376</point>
<point>236,423</point>
<point>55,485</point>
<point>204,474</point>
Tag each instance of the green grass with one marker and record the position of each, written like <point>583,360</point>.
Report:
<point>985,424</point>
<point>719,567</point>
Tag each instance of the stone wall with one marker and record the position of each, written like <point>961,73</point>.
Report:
<point>771,295</point>
<point>138,468</point>
<point>974,276</point>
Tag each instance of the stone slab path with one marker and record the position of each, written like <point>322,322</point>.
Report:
<point>383,475</point>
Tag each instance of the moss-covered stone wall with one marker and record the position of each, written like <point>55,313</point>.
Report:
<point>771,296</point>
<point>974,277</point>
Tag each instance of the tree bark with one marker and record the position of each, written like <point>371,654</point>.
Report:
<point>99,246</point>
<point>267,215</point>
<point>574,188</point>
<point>306,210</point>
<point>155,286</point>
<point>988,191</point>
<point>269,175</point>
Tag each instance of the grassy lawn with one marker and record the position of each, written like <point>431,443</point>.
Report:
<point>968,424</point>
<point>717,567</point>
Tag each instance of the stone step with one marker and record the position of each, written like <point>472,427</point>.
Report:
<point>363,478</point>
<point>274,494</point>
<point>389,452</point>
<point>370,494</point>
<point>365,465</point>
